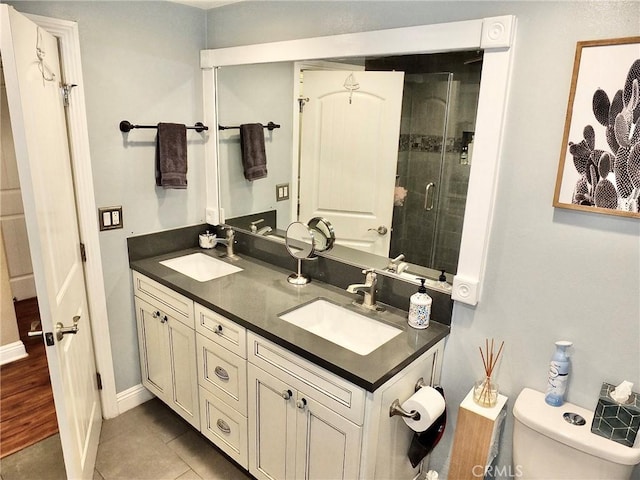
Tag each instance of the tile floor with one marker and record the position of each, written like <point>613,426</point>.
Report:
<point>147,442</point>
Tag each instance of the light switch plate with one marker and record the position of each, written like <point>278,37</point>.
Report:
<point>110,218</point>
<point>282,192</point>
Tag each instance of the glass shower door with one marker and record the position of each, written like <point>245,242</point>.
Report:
<point>433,169</point>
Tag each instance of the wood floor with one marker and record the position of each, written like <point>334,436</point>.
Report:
<point>27,413</point>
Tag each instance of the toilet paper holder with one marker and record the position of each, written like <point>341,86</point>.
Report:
<point>396,409</point>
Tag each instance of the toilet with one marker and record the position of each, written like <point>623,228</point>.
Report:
<point>546,446</point>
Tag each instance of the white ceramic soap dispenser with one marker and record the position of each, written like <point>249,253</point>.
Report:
<point>420,308</point>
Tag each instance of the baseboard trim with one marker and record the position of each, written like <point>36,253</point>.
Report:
<point>132,397</point>
<point>12,352</point>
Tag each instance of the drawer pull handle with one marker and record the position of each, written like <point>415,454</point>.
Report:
<point>221,373</point>
<point>223,426</point>
<point>287,394</point>
<point>301,404</point>
<point>219,330</point>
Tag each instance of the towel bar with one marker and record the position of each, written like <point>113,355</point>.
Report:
<point>126,126</point>
<point>269,126</point>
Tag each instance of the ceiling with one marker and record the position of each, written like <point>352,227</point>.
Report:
<point>205,4</point>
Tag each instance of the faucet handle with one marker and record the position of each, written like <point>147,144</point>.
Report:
<point>371,276</point>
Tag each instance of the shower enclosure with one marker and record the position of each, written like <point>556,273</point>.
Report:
<point>434,157</point>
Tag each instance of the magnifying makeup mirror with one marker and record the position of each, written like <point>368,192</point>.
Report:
<point>304,241</point>
<point>326,236</point>
<point>300,243</point>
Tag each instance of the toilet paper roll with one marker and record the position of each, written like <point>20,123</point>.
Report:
<point>429,403</point>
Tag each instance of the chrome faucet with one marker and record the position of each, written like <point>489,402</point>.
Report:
<point>396,265</point>
<point>229,241</point>
<point>262,231</point>
<point>369,290</point>
<point>254,225</point>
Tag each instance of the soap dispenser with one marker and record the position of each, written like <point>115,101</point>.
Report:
<point>420,308</point>
<point>442,282</point>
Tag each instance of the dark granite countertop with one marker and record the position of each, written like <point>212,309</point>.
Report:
<point>256,296</point>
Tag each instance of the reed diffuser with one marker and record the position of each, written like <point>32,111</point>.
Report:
<point>485,391</point>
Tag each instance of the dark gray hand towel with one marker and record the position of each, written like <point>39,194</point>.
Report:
<point>171,156</point>
<point>254,157</point>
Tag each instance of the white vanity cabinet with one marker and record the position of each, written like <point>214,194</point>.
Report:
<point>277,414</point>
<point>166,340</point>
<point>296,429</point>
<point>222,379</point>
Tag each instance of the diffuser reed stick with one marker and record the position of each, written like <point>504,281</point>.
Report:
<point>486,391</point>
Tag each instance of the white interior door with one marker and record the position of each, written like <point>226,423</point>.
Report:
<point>33,81</point>
<point>348,154</point>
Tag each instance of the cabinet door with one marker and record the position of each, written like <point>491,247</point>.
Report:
<point>327,445</point>
<point>272,417</point>
<point>152,342</point>
<point>181,351</point>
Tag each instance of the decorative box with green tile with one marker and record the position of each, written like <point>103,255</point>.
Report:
<point>616,421</point>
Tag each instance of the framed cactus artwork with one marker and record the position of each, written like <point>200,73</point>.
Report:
<point>599,168</point>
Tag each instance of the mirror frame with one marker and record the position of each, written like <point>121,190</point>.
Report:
<point>494,35</point>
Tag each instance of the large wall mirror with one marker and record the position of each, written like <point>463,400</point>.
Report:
<point>394,136</point>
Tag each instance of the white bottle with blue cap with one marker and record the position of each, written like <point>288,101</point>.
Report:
<point>558,374</point>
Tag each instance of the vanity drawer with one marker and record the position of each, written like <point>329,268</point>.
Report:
<point>221,330</point>
<point>171,302</point>
<point>332,391</point>
<point>225,427</point>
<point>222,373</point>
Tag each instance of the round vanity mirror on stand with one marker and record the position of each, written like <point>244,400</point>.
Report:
<point>300,243</point>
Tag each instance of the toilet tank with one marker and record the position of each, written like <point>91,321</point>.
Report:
<point>545,445</point>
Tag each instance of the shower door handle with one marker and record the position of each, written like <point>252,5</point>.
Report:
<point>428,206</point>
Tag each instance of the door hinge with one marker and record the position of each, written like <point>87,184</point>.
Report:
<point>99,377</point>
<point>83,252</point>
<point>66,92</point>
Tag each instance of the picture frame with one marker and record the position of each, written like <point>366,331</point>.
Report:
<point>599,168</point>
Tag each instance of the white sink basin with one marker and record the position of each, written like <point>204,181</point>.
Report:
<point>200,267</point>
<point>343,327</point>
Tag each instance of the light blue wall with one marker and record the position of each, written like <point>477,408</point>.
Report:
<point>141,62</point>
<point>551,273</point>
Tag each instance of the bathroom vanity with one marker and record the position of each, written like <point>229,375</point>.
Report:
<point>279,400</point>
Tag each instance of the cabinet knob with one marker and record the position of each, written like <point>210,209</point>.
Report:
<point>156,314</point>
<point>221,373</point>
<point>223,426</point>
<point>218,330</point>
<point>301,404</point>
<point>286,394</point>
<point>164,319</point>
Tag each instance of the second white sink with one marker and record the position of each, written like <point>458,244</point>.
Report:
<point>346,328</point>
<point>200,267</point>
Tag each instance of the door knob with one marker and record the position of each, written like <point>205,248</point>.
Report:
<point>381,230</point>
<point>61,330</point>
